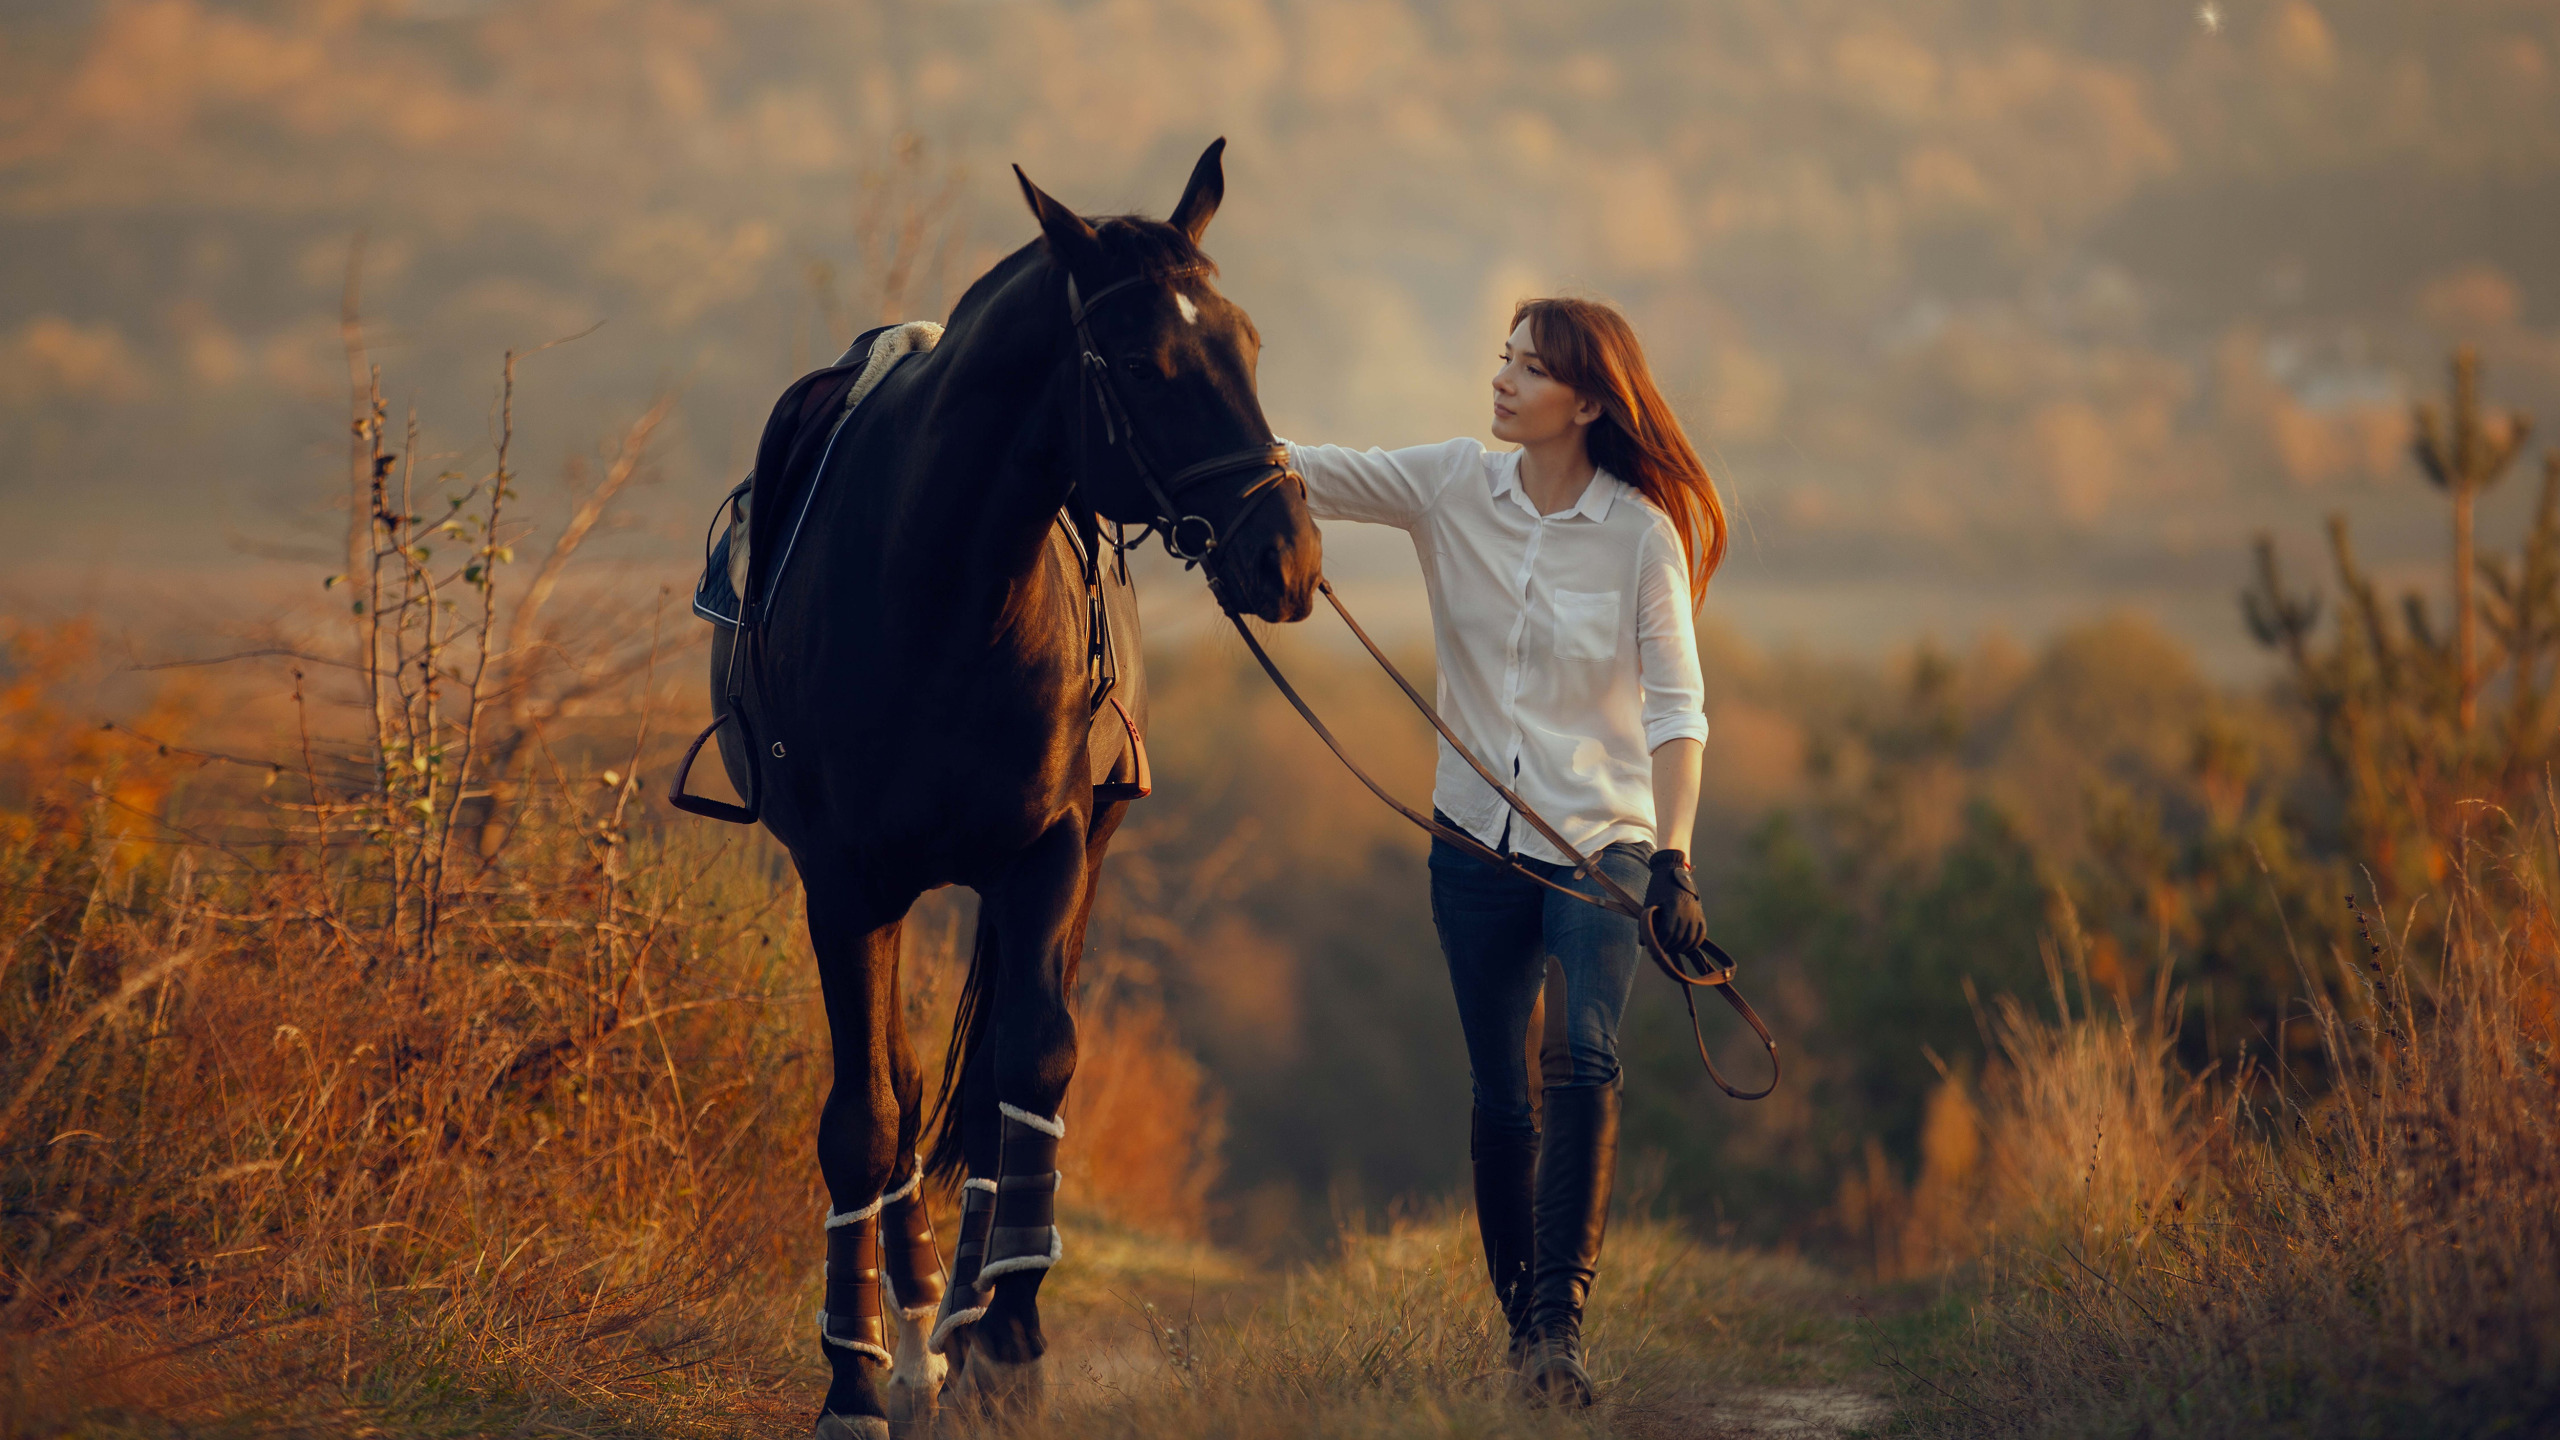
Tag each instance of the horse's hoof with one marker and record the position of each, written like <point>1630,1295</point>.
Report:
<point>915,1378</point>
<point>850,1427</point>
<point>912,1408</point>
<point>1000,1389</point>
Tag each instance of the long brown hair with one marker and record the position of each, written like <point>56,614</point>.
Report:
<point>1590,346</point>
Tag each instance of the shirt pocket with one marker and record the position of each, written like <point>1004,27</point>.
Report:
<point>1586,625</point>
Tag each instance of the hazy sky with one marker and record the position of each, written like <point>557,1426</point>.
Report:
<point>1986,312</point>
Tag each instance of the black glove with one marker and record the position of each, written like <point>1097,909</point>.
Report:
<point>1679,922</point>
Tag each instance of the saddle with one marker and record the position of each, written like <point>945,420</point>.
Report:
<point>756,528</point>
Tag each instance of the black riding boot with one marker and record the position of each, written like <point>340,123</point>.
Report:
<point>1576,1163</point>
<point>1506,1166</point>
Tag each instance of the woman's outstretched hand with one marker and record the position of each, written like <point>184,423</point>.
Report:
<point>1679,922</point>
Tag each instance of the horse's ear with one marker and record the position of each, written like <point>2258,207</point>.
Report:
<point>1072,242</point>
<point>1200,198</point>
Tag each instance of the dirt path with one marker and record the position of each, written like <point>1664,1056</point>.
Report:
<point>1808,1413</point>
<point>1689,1343</point>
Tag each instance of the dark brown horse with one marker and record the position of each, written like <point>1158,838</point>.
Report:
<point>919,705</point>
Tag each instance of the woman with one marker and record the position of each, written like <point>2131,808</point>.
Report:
<point>1562,576</point>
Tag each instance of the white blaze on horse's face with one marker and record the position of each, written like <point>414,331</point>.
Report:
<point>1190,312</point>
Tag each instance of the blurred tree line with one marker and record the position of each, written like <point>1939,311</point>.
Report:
<point>1887,849</point>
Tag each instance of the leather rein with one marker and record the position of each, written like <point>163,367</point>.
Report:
<point>1709,967</point>
<point>1192,539</point>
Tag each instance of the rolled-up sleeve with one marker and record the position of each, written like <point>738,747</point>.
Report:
<point>1667,644</point>
<point>1383,487</point>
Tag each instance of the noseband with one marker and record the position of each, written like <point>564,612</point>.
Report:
<point>1188,535</point>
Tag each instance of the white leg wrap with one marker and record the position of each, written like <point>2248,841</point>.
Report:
<point>914,1183</point>
<point>942,1333</point>
<point>864,1347</point>
<point>994,1268</point>
<point>855,1217</point>
<point>1050,1125</point>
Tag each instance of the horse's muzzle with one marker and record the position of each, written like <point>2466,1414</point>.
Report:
<point>1275,581</point>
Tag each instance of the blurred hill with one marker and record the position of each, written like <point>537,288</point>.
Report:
<point>1989,314</point>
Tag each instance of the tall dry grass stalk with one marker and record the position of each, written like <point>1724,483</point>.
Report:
<point>251,1168</point>
<point>2179,1254</point>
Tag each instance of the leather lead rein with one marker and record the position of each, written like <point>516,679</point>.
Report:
<point>1709,968</point>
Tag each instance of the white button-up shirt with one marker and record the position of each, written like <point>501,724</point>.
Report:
<point>1567,650</point>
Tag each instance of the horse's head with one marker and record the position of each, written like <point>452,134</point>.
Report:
<point>1172,428</point>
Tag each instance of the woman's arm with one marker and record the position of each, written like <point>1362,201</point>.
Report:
<point>1675,791</point>
<point>1675,723</point>
<point>1384,487</point>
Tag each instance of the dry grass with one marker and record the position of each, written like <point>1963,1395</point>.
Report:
<point>1395,1335</point>
<point>2202,1256</point>
<point>261,1180</point>
<point>267,1161</point>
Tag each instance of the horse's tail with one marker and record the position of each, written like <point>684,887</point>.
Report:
<point>948,1161</point>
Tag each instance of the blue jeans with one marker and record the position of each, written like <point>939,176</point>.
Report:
<point>1498,931</point>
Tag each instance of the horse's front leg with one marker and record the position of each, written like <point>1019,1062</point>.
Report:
<point>1013,1122</point>
<point>861,1151</point>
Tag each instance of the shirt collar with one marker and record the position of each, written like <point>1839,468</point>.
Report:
<point>1593,506</point>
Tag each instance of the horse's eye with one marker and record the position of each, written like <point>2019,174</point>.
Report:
<point>1138,368</point>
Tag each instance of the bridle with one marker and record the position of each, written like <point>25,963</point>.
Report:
<point>1188,535</point>
<point>1193,539</point>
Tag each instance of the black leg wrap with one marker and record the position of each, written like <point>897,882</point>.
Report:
<point>1025,1235</point>
<point>851,1319</point>
<point>908,1254</point>
<point>962,1304</point>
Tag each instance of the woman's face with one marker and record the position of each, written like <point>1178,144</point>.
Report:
<point>1530,406</point>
